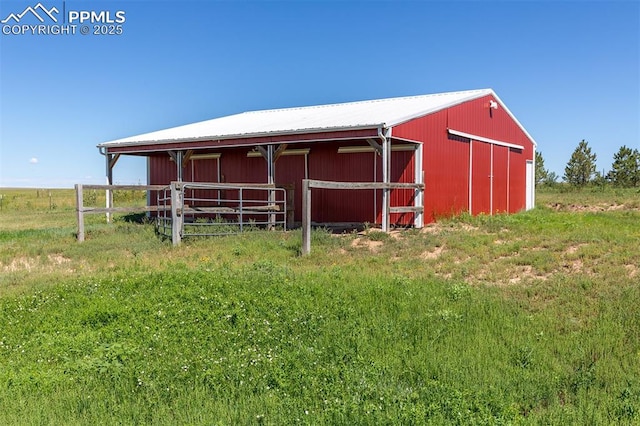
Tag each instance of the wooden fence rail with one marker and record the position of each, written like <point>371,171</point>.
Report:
<point>308,184</point>
<point>81,210</point>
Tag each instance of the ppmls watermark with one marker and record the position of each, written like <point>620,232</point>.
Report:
<point>43,20</point>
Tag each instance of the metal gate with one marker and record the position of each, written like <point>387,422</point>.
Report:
<point>188,209</point>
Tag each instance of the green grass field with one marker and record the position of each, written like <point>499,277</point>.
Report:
<point>524,319</point>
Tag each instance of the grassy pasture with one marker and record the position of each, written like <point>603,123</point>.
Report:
<point>523,319</point>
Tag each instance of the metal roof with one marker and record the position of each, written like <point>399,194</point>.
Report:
<point>343,116</point>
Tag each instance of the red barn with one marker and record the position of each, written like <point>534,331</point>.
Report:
<point>468,149</point>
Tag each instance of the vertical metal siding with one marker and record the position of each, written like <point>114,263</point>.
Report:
<point>325,163</point>
<point>445,163</point>
<point>236,167</point>
<point>500,175</point>
<point>481,175</point>
<point>290,171</point>
<point>446,159</point>
<point>477,118</point>
<point>202,170</point>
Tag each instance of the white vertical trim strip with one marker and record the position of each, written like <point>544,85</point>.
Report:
<point>491,184</point>
<point>470,176</point>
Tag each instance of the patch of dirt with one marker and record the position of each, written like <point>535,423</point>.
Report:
<point>58,259</point>
<point>525,272</point>
<point>573,248</point>
<point>432,228</point>
<point>20,264</point>
<point>374,246</point>
<point>433,254</point>
<point>602,207</point>
<point>396,234</point>
<point>436,228</point>
<point>632,270</point>
<point>29,264</point>
<point>574,266</point>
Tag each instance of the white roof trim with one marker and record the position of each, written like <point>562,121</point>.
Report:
<point>483,139</point>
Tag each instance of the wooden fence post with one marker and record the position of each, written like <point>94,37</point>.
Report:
<point>80,212</point>
<point>306,217</point>
<point>176,213</point>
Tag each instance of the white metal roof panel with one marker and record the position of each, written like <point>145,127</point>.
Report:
<point>343,116</point>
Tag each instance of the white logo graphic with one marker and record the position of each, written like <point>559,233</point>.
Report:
<point>70,22</point>
<point>34,12</point>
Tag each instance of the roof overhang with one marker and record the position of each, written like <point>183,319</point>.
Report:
<point>211,143</point>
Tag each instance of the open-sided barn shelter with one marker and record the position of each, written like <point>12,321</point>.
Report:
<point>468,149</point>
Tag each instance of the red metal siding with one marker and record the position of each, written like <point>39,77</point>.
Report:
<point>162,170</point>
<point>477,118</point>
<point>481,178</point>
<point>202,170</point>
<point>446,159</point>
<point>445,165</point>
<point>236,167</point>
<point>325,163</point>
<point>500,177</point>
<point>290,171</point>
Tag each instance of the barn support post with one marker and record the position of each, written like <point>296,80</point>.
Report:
<point>386,177</point>
<point>176,212</point>
<point>110,160</point>
<point>179,159</point>
<point>180,166</point>
<point>80,212</point>
<point>418,218</point>
<point>306,217</point>
<point>271,180</point>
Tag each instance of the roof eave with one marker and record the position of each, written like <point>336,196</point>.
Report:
<point>219,138</point>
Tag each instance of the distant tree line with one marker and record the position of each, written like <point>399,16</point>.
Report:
<point>581,170</point>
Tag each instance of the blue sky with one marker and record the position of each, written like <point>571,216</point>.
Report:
<point>568,70</point>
